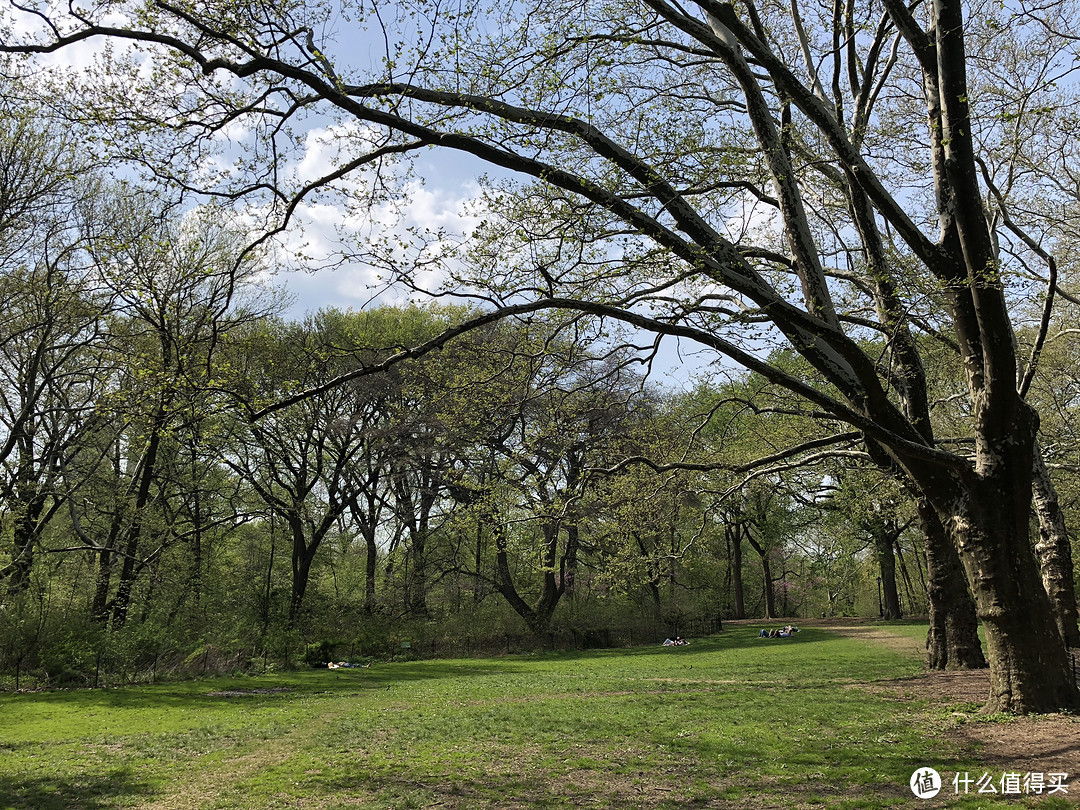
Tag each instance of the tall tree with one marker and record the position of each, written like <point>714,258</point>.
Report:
<point>51,336</point>
<point>651,128</point>
<point>176,285</point>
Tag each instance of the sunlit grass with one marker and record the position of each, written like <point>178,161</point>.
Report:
<point>729,721</point>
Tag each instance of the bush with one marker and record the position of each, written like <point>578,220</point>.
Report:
<point>319,653</point>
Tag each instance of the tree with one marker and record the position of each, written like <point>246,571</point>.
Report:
<point>51,337</point>
<point>300,460</point>
<point>553,413</point>
<point>649,129</point>
<point>1054,389</point>
<point>174,285</point>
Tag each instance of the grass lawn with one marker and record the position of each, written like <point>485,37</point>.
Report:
<point>729,721</point>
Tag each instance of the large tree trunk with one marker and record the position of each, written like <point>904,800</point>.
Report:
<point>1054,551</point>
<point>985,510</point>
<point>1029,670</point>
<point>987,515</point>
<point>953,639</point>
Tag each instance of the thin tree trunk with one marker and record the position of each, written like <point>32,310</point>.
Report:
<point>478,562</point>
<point>417,602</point>
<point>770,597</point>
<point>302,555</point>
<point>735,538</point>
<point>99,607</point>
<point>884,538</point>
<point>267,592</point>
<point>197,528</point>
<point>766,573</point>
<point>24,537</point>
<point>370,570</point>
<point>905,577</point>
<point>130,569</point>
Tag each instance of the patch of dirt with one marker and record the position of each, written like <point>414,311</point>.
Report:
<point>942,688</point>
<point>1045,743</point>
<point>881,636</point>
<point>1038,744</point>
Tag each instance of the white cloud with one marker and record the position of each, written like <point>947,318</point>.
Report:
<point>338,230</point>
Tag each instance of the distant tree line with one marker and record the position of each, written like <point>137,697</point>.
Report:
<point>163,512</point>
<point>189,485</point>
<point>870,208</point>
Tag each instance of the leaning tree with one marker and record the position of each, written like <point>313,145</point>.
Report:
<point>738,175</point>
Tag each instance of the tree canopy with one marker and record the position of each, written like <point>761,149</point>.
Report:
<point>853,184</point>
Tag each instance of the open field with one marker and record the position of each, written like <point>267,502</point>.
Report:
<point>835,717</point>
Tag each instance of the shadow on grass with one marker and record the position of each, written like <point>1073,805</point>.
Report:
<point>737,639</point>
<point>256,690</point>
<point>287,686</point>
<point>664,787</point>
<point>85,792</point>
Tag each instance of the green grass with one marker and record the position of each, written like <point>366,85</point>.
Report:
<point>729,721</point>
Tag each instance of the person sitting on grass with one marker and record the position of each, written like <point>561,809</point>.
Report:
<point>785,632</point>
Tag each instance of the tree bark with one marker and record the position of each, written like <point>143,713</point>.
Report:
<point>130,568</point>
<point>987,516</point>
<point>1054,550</point>
<point>417,603</point>
<point>303,555</point>
<point>884,539</point>
<point>735,541</point>
<point>905,576</point>
<point>99,606</point>
<point>537,617</point>
<point>766,573</point>
<point>953,639</point>
<point>24,537</point>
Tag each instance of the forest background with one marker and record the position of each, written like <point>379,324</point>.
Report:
<point>193,481</point>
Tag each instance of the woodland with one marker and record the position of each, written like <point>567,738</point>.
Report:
<point>857,219</point>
